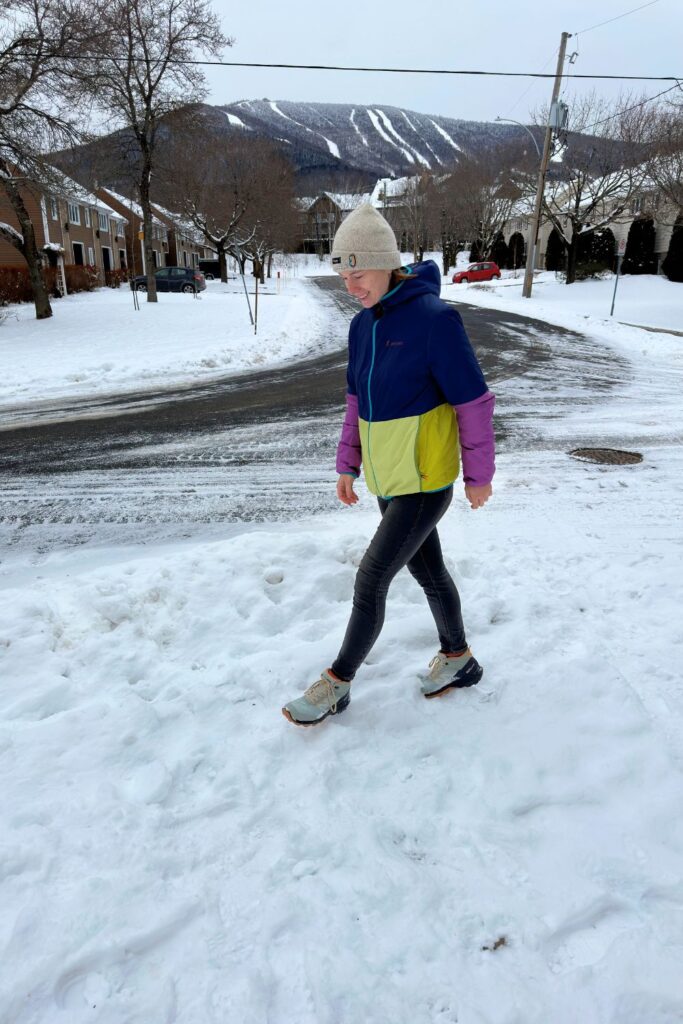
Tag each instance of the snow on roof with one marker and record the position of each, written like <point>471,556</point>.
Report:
<point>134,207</point>
<point>347,201</point>
<point>304,202</point>
<point>61,184</point>
<point>177,221</point>
<point>391,188</point>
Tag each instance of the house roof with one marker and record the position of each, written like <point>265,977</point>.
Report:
<point>347,201</point>
<point>65,187</point>
<point>130,204</point>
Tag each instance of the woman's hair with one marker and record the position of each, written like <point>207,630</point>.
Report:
<point>397,276</point>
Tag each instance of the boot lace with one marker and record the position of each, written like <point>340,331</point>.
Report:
<point>320,691</point>
<point>436,664</point>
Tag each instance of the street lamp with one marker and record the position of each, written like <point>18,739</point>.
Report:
<point>532,241</point>
<point>526,129</point>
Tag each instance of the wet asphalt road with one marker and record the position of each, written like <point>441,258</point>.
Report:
<point>101,438</point>
<point>256,447</point>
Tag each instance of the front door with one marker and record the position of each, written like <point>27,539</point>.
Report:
<point>106,258</point>
<point>79,253</point>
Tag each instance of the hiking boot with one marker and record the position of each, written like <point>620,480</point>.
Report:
<point>451,673</point>
<point>328,696</point>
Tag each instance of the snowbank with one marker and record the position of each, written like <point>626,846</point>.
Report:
<point>647,300</point>
<point>96,344</point>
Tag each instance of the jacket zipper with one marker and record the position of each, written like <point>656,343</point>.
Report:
<point>372,366</point>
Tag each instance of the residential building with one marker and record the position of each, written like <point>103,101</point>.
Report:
<point>68,219</point>
<point>134,246</point>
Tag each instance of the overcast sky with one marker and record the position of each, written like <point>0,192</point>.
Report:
<point>496,35</point>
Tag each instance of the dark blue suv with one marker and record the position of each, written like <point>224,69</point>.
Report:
<point>173,279</point>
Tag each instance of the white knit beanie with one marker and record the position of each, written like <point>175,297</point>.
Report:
<point>365,241</point>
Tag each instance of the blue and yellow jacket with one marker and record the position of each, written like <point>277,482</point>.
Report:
<point>410,362</point>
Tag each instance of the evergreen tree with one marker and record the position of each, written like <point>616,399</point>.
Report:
<point>475,251</point>
<point>554,253</point>
<point>673,262</point>
<point>516,252</point>
<point>499,250</point>
<point>639,257</point>
<point>595,253</point>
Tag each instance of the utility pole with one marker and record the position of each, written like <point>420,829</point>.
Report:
<point>535,223</point>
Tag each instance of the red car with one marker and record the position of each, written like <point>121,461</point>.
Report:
<point>478,272</point>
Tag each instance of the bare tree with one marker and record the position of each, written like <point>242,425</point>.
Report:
<point>239,195</point>
<point>604,165</point>
<point>271,221</point>
<point>477,198</point>
<point>666,166</point>
<point>414,213</point>
<point>141,71</point>
<point>38,40</point>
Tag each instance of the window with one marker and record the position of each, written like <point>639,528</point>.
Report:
<point>104,222</point>
<point>74,213</point>
<point>91,257</point>
<point>637,205</point>
<point>54,209</point>
<point>122,259</point>
<point>86,211</point>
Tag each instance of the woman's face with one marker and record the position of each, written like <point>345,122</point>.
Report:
<point>368,286</point>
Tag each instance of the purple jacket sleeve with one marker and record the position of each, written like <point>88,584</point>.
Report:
<point>477,443</point>
<point>348,449</point>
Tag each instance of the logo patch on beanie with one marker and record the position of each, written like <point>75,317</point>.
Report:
<point>352,260</point>
<point>336,259</point>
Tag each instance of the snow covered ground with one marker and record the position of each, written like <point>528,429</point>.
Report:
<point>649,300</point>
<point>172,850</point>
<point>97,344</point>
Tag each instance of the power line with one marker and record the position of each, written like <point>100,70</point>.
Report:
<point>382,70</point>
<point>531,84</point>
<point>617,18</point>
<point>635,106</point>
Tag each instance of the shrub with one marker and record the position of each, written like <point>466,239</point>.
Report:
<point>673,261</point>
<point>115,278</point>
<point>15,283</point>
<point>81,279</point>
<point>555,253</point>
<point>595,257</point>
<point>639,257</point>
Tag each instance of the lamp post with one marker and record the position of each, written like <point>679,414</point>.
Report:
<point>526,129</point>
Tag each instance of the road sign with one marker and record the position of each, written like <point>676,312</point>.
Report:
<point>621,247</point>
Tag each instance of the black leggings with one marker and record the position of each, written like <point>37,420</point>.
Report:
<point>406,536</point>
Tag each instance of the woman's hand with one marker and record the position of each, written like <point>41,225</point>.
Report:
<point>478,496</point>
<point>345,491</point>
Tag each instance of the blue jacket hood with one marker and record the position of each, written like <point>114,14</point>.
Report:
<point>425,279</point>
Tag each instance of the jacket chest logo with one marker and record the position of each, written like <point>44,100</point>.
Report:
<point>389,343</point>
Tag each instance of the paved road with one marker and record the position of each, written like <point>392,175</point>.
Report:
<point>253,448</point>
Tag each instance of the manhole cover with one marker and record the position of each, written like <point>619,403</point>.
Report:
<point>607,456</point>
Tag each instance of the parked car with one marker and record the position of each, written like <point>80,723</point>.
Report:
<point>477,272</point>
<point>173,279</point>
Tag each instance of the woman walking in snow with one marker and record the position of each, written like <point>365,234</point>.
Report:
<point>416,401</point>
